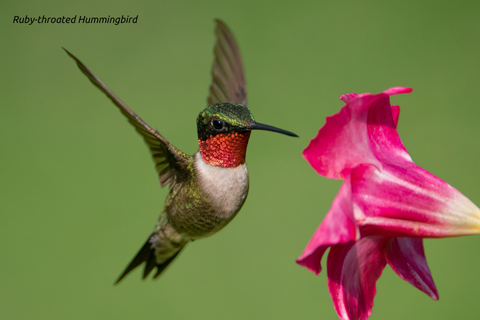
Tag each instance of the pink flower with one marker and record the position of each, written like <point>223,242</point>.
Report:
<point>385,198</point>
<point>353,269</point>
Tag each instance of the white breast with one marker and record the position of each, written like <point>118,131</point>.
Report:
<point>227,187</point>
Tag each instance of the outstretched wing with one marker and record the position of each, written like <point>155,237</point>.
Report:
<point>169,160</point>
<point>228,77</point>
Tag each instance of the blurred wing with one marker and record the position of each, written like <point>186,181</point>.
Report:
<point>228,77</point>
<point>169,160</point>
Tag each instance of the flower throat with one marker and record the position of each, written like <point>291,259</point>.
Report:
<point>226,150</point>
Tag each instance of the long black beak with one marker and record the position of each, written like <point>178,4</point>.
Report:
<point>261,126</point>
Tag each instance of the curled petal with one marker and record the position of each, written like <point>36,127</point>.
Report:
<point>364,131</point>
<point>347,97</point>
<point>383,138</point>
<point>395,114</point>
<point>410,202</point>
<point>407,258</point>
<point>337,227</point>
<point>397,90</point>
<point>353,270</point>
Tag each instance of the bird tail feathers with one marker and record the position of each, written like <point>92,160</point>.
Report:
<point>147,254</point>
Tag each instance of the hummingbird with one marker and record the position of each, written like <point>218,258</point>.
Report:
<point>207,189</point>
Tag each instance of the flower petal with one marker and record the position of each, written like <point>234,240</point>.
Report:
<point>347,97</point>
<point>353,270</point>
<point>410,202</point>
<point>397,90</point>
<point>337,227</point>
<point>357,135</point>
<point>407,258</point>
<point>384,140</point>
<point>395,114</point>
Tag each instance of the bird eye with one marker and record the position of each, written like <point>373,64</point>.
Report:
<point>218,125</point>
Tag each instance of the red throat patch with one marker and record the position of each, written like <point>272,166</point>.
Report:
<point>226,150</point>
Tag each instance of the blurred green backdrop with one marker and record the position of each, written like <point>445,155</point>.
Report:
<point>79,194</point>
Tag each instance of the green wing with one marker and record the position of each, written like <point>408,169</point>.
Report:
<point>169,161</point>
<point>228,77</point>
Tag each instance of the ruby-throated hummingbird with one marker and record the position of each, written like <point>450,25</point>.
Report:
<point>209,188</point>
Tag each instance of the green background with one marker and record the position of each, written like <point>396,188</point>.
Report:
<point>79,196</point>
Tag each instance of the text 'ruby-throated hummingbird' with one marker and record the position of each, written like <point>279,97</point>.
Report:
<point>209,188</point>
